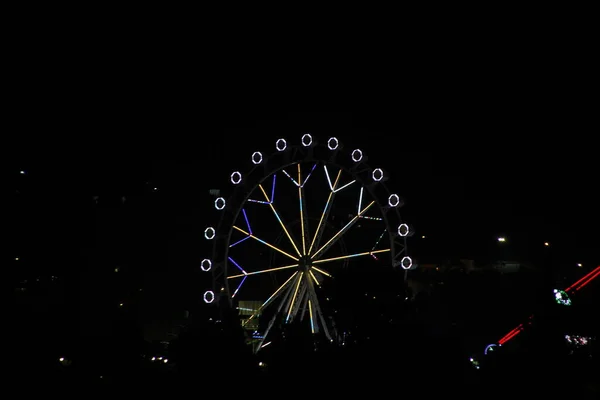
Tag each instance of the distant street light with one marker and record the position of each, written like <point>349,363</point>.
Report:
<point>580,265</point>
<point>502,239</point>
<point>546,244</point>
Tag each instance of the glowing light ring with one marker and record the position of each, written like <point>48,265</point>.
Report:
<point>209,296</point>
<point>205,265</point>
<point>403,230</point>
<point>209,233</point>
<point>257,157</point>
<point>561,297</point>
<point>333,143</point>
<point>236,178</point>
<point>220,203</point>
<point>406,262</point>
<point>280,144</point>
<point>393,200</point>
<point>357,155</point>
<point>490,347</point>
<point>377,174</point>
<point>306,140</point>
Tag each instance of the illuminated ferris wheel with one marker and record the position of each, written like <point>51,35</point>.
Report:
<point>290,224</point>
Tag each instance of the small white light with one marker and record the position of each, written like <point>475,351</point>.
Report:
<point>501,239</point>
<point>205,265</point>
<point>257,157</point>
<point>236,178</point>
<point>22,172</point>
<point>220,203</point>
<point>393,200</point>
<point>406,262</point>
<point>61,359</point>
<point>209,296</point>
<point>377,174</point>
<point>306,140</point>
<point>357,155</point>
<point>333,143</point>
<point>280,144</point>
<point>580,265</point>
<point>209,233</point>
<point>166,360</point>
<point>546,244</point>
<point>153,358</point>
<point>403,230</point>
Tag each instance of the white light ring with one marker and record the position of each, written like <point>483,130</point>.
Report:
<point>377,171</point>
<point>205,265</point>
<point>357,155</point>
<point>280,144</point>
<point>209,296</point>
<point>403,230</point>
<point>406,263</point>
<point>304,137</point>
<point>260,157</point>
<point>220,203</point>
<point>209,233</point>
<point>335,144</point>
<point>236,178</point>
<point>393,200</point>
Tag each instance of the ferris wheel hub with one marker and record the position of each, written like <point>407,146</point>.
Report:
<point>304,263</point>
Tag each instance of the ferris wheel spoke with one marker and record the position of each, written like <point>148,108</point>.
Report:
<point>308,175</point>
<point>360,197</point>
<point>338,235</point>
<point>262,271</point>
<point>377,243</point>
<point>239,286</point>
<point>366,253</point>
<point>303,224</point>
<point>321,227</point>
<point>300,300</point>
<point>292,179</point>
<point>321,271</point>
<point>312,319</point>
<point>334,187</point>
<point>265,243</point>
<point>317,314</point>
<point>291,306</point>
<point>314,278</point>
<point>304,307</point>
<point>271,298</point>
<point>279,220</point>
<point>283,301</point>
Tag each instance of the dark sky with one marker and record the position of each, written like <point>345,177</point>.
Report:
<point>471,173</point>
<point>468,175</point>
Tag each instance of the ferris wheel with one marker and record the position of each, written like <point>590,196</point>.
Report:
<point>290,224</point>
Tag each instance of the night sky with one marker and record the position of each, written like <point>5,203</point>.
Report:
<point>468,175</point>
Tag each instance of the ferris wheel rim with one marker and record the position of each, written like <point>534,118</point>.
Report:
<point>357,156</point>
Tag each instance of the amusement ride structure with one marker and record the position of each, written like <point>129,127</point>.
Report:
<point>290,223</point>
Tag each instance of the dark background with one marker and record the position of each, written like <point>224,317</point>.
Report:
<point>118,187</point>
